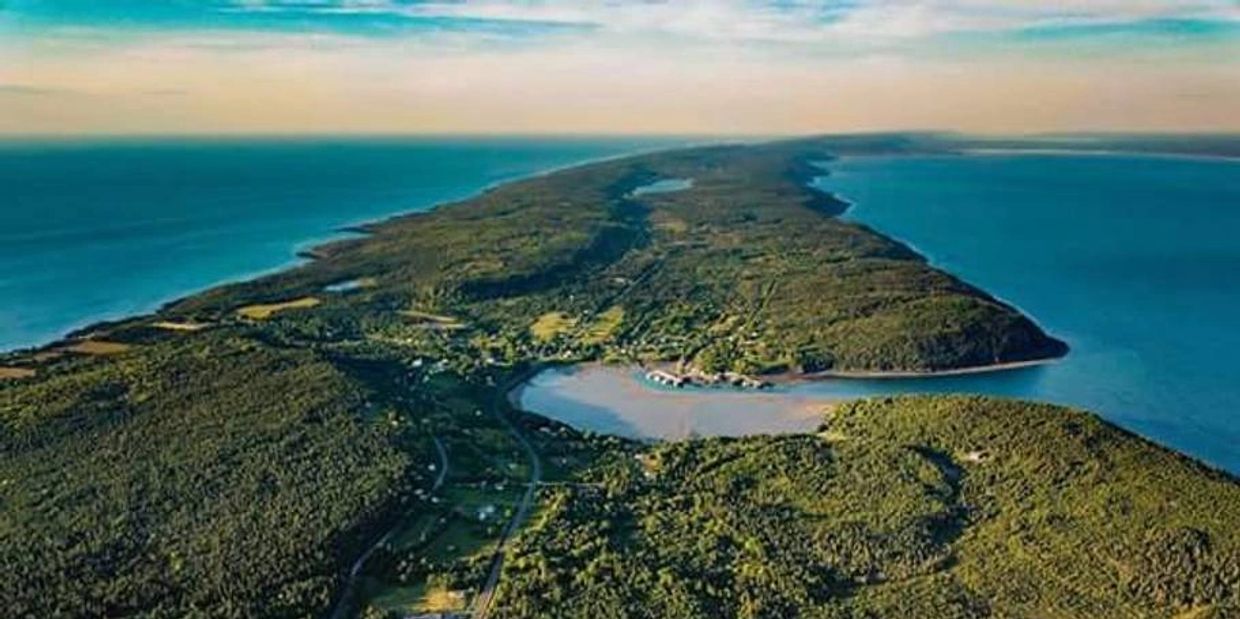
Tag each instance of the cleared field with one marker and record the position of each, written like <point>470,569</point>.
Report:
<point>461,538</point>
<point>14,373</point>
<point>266,310</point>
<point>550,325</point>
<point>421,599</point>
<point>169,325</point>
<point>436,320</point>
<point>604,326</point>
<point>438,600</point>
<point>98,347</point>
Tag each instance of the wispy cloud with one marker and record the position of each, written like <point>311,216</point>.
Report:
<point>756,66</point>
<point>762,21</point>
<point>770,20</point>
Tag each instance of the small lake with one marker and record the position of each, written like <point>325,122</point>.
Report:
<point>666,185</point>
<point>1133,260</point>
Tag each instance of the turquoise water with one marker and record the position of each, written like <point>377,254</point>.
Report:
<point>1134,261</point>
<point>103,229</point>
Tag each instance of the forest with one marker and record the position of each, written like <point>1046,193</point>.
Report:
<point>909,507</point>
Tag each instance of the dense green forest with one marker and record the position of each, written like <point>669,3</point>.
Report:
<point>335,437</point>
<point>222,477</point>
<point>911,507</point>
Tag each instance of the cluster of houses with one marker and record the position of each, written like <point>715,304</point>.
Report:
<point>670,379</point>
<point>666,378</point>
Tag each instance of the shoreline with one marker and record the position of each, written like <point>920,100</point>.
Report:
<point>319,246</point>
<point>1005,366</point>
<point>315,248</point>
<point>992,152</point>
<point>848,215</point>
<point>786,378</point>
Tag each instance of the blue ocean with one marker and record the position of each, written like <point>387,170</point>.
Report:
<point>100,229</point>
<point>1133,260</point>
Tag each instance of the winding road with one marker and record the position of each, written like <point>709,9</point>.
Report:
<point>486,596</point>
<point>343,605</point>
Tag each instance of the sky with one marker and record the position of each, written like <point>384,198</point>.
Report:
<point>692,67</point>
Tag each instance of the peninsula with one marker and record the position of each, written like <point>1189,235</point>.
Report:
<point>335,439</point>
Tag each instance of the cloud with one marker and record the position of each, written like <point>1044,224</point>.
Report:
<point>721,66</point>
<point>796,21</point>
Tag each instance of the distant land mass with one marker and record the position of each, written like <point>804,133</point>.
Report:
<point>747,270</point>
<point>335,439</point>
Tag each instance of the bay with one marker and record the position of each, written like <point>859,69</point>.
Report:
<point>1133,260</point>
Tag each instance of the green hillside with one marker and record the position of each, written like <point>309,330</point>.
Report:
<point>911,507</point>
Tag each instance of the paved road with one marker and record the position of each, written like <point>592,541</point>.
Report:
<point>344,604</point>
<point>486,596</point>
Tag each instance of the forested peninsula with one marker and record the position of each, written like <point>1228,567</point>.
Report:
<point>334,440</point>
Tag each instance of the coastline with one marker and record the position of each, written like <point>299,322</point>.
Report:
<point>315,247</point>
<point>808,171</point>
<point>1005,366</point>
<point>993,152</point>
<point>370,382</point>
<point>791,378</point>
<point>849,208</point>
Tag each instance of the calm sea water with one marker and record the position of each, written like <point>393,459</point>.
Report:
<point>103,229</point>
<point>1135,261</point>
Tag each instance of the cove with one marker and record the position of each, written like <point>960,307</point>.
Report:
<point>1132,260</point>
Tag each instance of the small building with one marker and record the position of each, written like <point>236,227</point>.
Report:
<point>486,512</point>
<point>666,378</point>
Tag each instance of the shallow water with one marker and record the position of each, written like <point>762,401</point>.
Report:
<point>618,400</point>
<point>99,229</point>
<point>1134,261</point>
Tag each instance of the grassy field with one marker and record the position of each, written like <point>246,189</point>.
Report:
<point>264,311</point>
<point>604,326</point>
<point>550,325</point>
<point>179,326</point>
<point>97,347</point>
<point>15,373</point>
